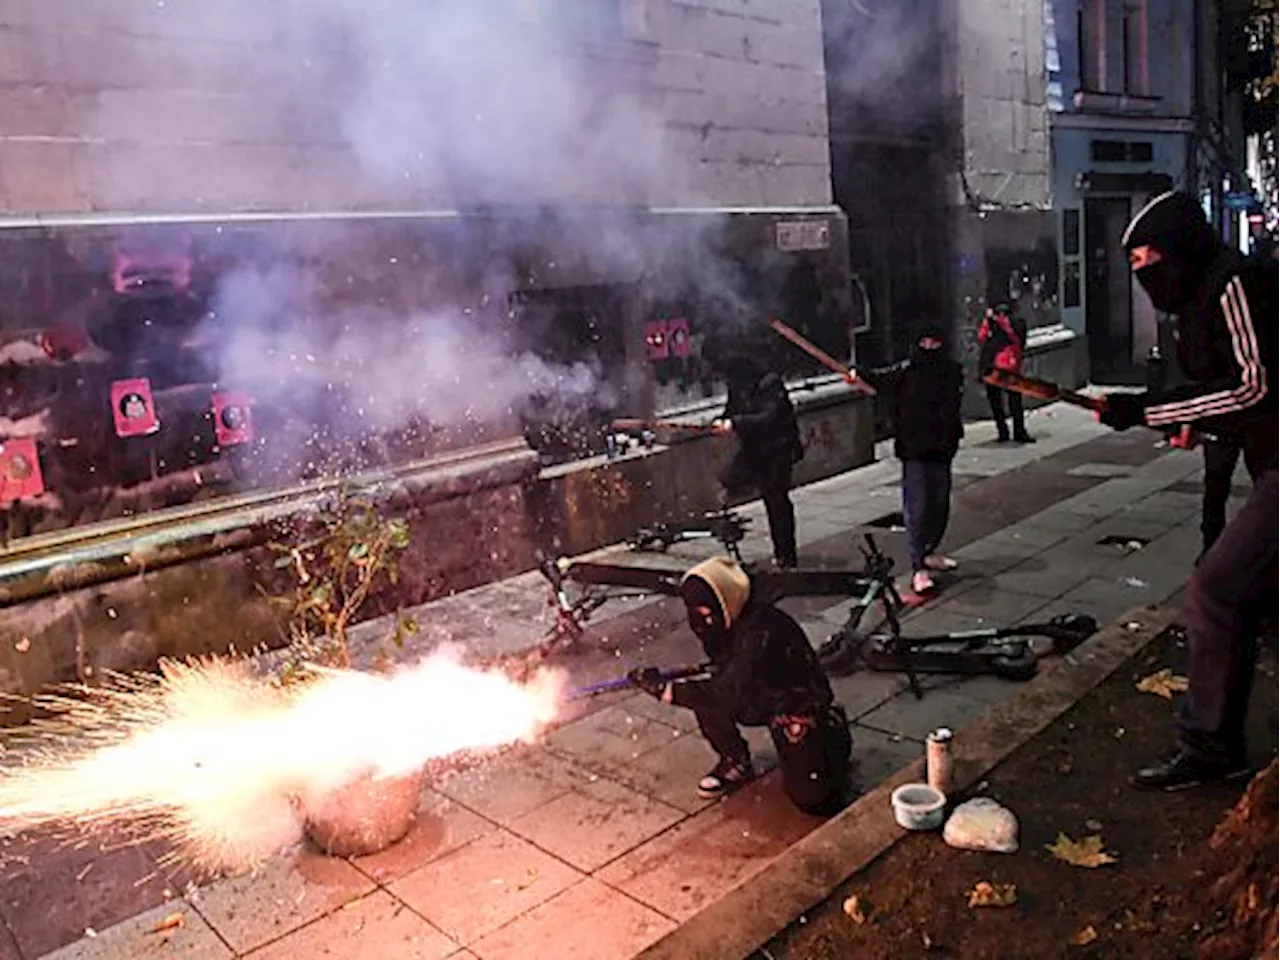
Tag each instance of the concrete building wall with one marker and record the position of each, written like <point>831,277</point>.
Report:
<point>1000,78</point>
<point>240,105</point>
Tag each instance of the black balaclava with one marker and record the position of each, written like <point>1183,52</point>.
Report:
<point>1174,224</point>
<point>921,354</point>
<point>723,588</point>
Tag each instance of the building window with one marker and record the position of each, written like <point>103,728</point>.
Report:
<point>1136,77</point>
<point>1071,233</point>
<point>1071,285</point>
<point>1091,44</point>
<point>1070,259</point>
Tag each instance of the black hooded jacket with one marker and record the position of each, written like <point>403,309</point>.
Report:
<point>1225,305</point>
<point>763,416</point>
<point>763,667</point>
<point>927,392</point>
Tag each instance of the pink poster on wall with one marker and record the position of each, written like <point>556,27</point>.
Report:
<point>232,418</point>
<point>133,408</point>
<point>20,474</point>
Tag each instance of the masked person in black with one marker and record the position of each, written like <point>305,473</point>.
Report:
<point>1225,308</point>
<point>927,433</point>
<point>760,412</point>
<point>762,672</point>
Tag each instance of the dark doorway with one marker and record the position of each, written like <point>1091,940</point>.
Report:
<point>1108,293</point>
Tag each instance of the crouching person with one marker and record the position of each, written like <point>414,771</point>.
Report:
<point>762,672</point>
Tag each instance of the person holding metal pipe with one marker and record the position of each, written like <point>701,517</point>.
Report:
<point>762,672</point>
<point>1225,307</point>
<point>761,414</point>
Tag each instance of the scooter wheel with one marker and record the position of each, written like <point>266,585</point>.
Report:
<point>1016,668</point>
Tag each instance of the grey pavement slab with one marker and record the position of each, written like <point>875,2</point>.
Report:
<point>152,934</point>
<point>951,704</point>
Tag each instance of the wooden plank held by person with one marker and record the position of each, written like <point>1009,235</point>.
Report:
<point>831,363</point>
<point>1039,389</point>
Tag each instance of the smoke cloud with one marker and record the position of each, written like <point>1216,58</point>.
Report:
<point>452,104</point>
<point>885,63</point>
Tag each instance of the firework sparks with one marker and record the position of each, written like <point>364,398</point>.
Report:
<point>226,764</point>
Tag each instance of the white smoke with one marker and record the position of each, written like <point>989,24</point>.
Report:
<point>464,105</point>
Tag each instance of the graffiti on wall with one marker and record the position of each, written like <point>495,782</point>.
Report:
<point>1026,279</point>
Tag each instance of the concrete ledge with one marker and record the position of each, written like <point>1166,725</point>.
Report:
<point>807,873</point>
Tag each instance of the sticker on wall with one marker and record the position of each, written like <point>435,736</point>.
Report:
<point>232,418</point>
<point>678,337</point>
<point>655,341</point>
<point>20,474</point>
<point>133,408</point>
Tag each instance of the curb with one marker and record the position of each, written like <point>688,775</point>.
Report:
<point>766,903</point>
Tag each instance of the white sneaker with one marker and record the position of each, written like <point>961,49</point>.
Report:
<point>939,562</point>
<point>921,582</point>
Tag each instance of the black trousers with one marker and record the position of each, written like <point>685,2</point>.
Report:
<point>772,478</point>
<point>996,398</point>
<point>1231,591</point>
<point>1220,459</point>
<point>814,760</point>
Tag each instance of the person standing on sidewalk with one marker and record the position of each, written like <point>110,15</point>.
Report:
<point>760,412</point>
<point>927,430</point>
<point>1225,308</point>
<point>1003,339</point>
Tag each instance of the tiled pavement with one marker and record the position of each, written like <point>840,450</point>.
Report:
<point>593,843</point>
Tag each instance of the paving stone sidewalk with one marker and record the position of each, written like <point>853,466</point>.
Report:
<point>593,843</point>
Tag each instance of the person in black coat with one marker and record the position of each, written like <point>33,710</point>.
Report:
<point>762,671</point>
<point>1225,306</point>
<point>761,414</point>
<point>927,393</point>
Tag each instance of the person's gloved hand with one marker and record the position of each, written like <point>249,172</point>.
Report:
<point>648,679</point>
<point>1123,410</point>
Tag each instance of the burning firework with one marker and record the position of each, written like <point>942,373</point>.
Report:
<point>227,765</point>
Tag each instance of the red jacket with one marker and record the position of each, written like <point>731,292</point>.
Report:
<point>1000,342</point>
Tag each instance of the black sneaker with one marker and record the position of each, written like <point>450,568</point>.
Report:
<point>725,777</point>
<point>1184,770</point>
<point>1023,438</point>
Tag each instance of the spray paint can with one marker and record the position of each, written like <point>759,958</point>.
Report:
<point>938,760</point>
<point>610,445</point>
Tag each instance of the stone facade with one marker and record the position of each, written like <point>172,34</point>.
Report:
<point>243,106</point>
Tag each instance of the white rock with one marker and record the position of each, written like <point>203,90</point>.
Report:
<point>982,824</point>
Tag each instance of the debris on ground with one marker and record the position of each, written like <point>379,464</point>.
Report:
<point>1163,683</point>
<point>1088,852</point>
<point>985,894</point>
<point>173,921</point>
<point>1085,937</point>
<point>1241,902</point>
<point>857,909</point>
<point>982,824</point>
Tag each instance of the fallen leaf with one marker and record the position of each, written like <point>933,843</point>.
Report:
<point>1085,937</point>
<point>172,922</point>
<point>1087,852</point>
<point>530,878</point>
<point>1163,683</point>
<point>986,894</point>
<point>856,909</point>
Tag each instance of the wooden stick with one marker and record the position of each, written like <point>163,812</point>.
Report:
<point>824,358</point>
<point>1041,390</point>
